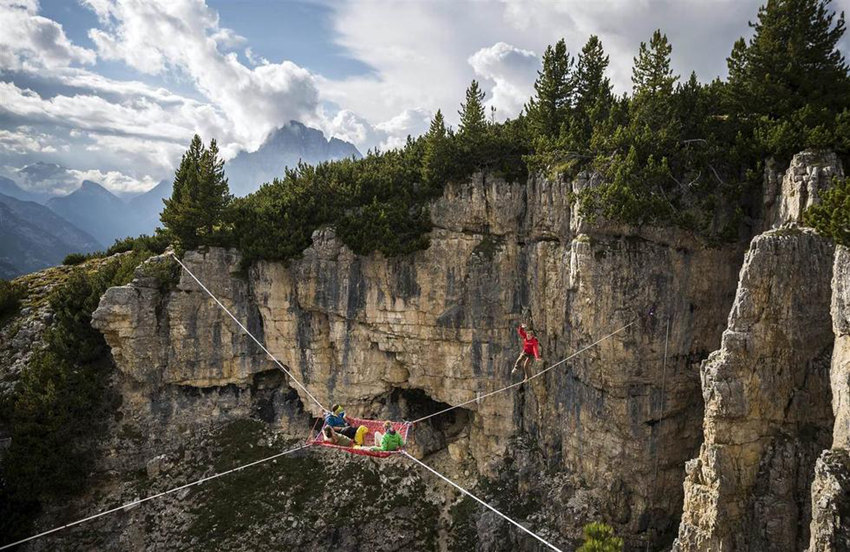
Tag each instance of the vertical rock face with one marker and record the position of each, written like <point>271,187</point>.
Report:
<point>766,413</point>
<point>830,527</point>
<point>404,337</point>
<point>181,358</point>
<point>840,371</point>
<point>787,195</point>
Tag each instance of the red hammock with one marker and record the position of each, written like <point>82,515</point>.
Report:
<point>368,439</point>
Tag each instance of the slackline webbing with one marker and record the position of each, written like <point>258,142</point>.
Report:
<point>158,495</point>
<point>257,341</point>
<point>475,498</point>
<point>517,384</point>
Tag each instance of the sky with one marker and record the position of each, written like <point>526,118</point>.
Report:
<point>113,90</point>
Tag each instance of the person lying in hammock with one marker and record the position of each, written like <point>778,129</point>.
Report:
<point>331,436</point>
<point>530,350</point>
<point>388,441</point>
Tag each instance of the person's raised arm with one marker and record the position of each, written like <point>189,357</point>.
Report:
<point>521,330</point>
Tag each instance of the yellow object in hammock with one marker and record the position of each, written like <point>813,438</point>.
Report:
<point>361,434</point>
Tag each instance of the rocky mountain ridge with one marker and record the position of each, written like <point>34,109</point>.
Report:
<point>34,237</point>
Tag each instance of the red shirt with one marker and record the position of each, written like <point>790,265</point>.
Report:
<point>530,345</point>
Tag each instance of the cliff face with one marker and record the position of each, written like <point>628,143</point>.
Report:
<point>830,527</point>
<point>766,419</point>
<point>758,482</point>
<point>400,338</point>
<point>787,194</point>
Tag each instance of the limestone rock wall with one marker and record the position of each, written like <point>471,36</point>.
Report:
<point>182,360</point>
<point>766,417</point>
<point>403,337</point>
<point>788,194</point>
<point>830,527</point>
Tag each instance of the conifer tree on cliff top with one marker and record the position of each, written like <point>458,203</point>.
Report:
<point>550,108</point>
<point>436,159</point>
<point>194,214</point>
<point>592,93</point>
<point>652,74</point>
<point>473,123</point>
<point>653,81</point>
<point>791,61</point>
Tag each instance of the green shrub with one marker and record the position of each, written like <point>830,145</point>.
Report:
<point>63,401</point>
<point>157,244</point>
<point>164,270</point>
<point>73,259</point>
<point>832,216</point>
<point>599,537</point>
<point>10,298</point>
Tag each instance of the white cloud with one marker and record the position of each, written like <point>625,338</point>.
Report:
<point>156,155</point>
<point>185,36</point>
<point>392,133</point>
<point>23,140</point>
<point>423,54</point>
<point>114,181</point>
<point>29,40</point>
<point>410,122</point>
<point>139,117</point>
<point>512,71</point>
<point>58,180</point>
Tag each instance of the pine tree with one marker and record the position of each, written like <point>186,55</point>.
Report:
<point>591,83</point>
<point>550,108</point>
<point>593,96</point>
<point>651,73</point>
<point>194,214</point>
<point>832,216</point>
<point>436,160</point>
<point>792,61</point>
<point>472,119</point>
<point>653,81</point>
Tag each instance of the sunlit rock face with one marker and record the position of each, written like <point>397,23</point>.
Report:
<point>401,337</point>
<point>766,413</point>
<point>830,526</point>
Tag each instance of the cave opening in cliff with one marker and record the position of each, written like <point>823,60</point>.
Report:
<point>434,433</point>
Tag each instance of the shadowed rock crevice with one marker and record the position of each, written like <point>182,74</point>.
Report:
<point>433,434</point>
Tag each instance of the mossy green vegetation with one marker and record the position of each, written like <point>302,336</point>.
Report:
<point>63,401</point>
<point>74,259</point>
<point>463,532</point>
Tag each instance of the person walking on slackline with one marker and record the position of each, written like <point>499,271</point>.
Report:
<point>530,350</point>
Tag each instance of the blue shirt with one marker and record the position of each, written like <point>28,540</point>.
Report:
<point>336,420</point>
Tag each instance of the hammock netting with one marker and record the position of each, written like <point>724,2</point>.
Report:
<point>368,440</point>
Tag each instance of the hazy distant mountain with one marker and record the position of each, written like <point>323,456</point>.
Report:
<point>145,208</point>
<point>96,210</point>
<point>284,147</point>
<point>33,237</point>
<point>8,187</point>
<point>39,172</point>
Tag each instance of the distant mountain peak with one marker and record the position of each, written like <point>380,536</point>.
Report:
<point>286,146</point>
<point>89,186</point>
